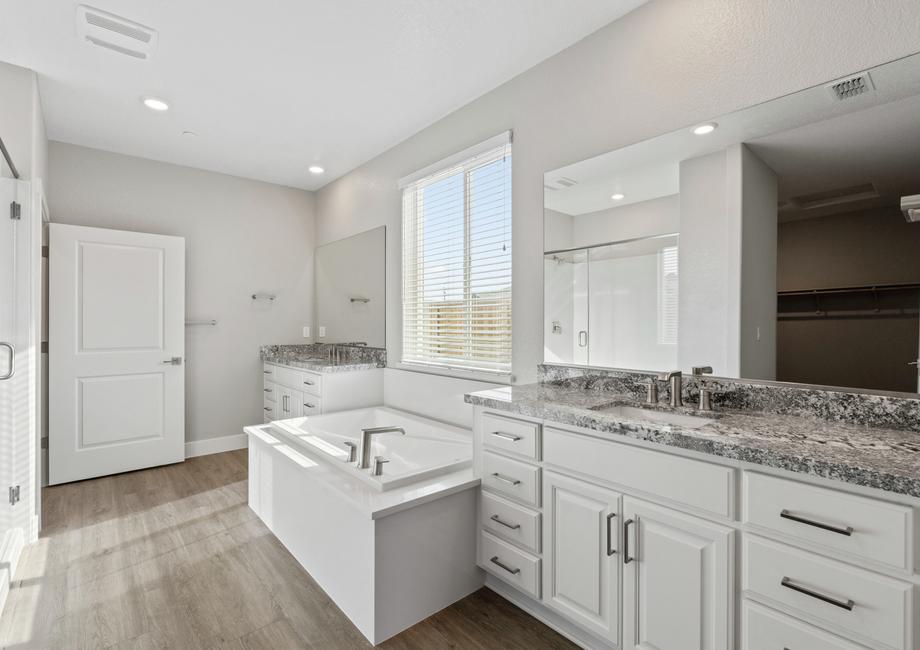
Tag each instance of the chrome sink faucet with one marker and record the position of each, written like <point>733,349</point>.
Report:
<point>675,377</point>
<point>364,450</point>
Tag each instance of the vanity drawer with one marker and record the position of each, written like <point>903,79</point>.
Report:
<point>311,382</point>
<point>518,480</point>
<point>311,405</point>
<point>831,521</point>
<point>510,564</point>
<point>286,377</point>
<point>270,392</point>
<point>513,436</point>
<point>510,521</point>
<point>766,629</point>
<point>268,371</point>
<point>270,411</point>
<point>704,486</point>
<point>866,607</point>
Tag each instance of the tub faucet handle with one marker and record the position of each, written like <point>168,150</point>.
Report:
<point>378,465</point>
<point>352,451</point>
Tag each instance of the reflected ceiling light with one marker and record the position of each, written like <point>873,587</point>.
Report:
<point>190,134</point>
<point>155,104</point>
<point>315,169</point>
<point>703,129</point>
<point>617,196</point>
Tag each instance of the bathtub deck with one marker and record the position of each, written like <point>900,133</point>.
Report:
<point>173,557</point>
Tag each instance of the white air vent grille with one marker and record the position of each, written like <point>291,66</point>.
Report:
<point>835,197</point>
<point>115,33</point>
<point>850,87</point>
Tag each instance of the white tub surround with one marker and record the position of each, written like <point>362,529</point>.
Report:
<point>388,555</point>
<point>304,388</point>
<point>624,539</point>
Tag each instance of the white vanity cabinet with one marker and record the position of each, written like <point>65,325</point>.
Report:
<point>631,545</point>
<point>290,392</point>
<point>581,568</point>
<point>677,579</point>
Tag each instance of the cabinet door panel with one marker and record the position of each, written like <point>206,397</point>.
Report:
<point>677,580</point>
<point>581,569</point>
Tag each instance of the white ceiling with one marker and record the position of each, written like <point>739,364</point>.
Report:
<point>273,87</point>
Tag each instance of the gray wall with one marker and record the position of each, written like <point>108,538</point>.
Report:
<point>241,236</point>
<point>666,65</point>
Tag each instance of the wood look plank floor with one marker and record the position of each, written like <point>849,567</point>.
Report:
<point>172,557</point>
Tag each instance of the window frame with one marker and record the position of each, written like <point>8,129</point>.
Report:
<point>470,159</point>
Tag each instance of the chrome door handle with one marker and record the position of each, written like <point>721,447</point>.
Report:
<point>842,604</point>
<point>284,403</point>
<point>505,479</point>
<point>498,520</point>
<point>626,525</point>
<point>914,363</point>
<point>11,369</point>
<point>506,436</point>
<point>848,530</point>
<point>610,551</point>
<point>507,568</point>
<point>173,361</point>
<point>582,338</point>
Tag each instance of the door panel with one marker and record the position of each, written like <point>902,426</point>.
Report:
<point>677,580</point>
<point>116,346</point>
<point>581,567</point>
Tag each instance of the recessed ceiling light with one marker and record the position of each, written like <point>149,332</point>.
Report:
<point>617,196</point>
<point>703,129</point>
<point>316,169</point>
<point>155,104</point>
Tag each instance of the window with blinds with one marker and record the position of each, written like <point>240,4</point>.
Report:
<point>456,261</point>
<point>667,295</point>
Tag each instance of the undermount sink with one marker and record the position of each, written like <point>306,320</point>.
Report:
<point>651,415</point>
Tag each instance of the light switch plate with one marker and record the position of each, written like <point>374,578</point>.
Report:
<point>306,331</point>
<point>322,331</point>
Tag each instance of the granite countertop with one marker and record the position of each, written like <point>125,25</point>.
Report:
<point>886,459</point>
<point>316,364</point>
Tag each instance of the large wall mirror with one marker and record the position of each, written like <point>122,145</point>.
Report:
<point>779,242</point>
<point>351,289</point>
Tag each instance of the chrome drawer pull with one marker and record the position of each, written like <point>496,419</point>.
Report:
<point>498,520</point>
<point>267,390</point>
<point>505,479</point>
<point>507,568</point>
<point>310,406</point>
<point>308,383</point>
<point>265,408</point>
<point>842,604</point>
<point>506,436</point>
<point>266,372</point>
<point>785,514</point>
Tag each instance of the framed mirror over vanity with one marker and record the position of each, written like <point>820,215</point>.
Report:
<point>780,242</point>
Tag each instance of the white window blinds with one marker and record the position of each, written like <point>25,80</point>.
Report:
<point>667,295</point>
<point>456,261</point>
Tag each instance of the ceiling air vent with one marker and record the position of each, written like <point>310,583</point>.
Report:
<point>850,87</point>
<point>115,33</point>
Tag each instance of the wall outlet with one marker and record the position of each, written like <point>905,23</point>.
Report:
<point>322,331</point>
<point>306,331</point>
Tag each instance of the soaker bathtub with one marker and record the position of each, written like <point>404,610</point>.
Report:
<point>428,448</point>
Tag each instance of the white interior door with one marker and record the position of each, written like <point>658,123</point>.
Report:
<point>116,343</point>
<point>9,343</point>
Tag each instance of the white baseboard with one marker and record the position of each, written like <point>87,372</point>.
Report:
<point>215,445</point>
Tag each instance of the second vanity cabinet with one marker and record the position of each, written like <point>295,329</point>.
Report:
<point>623,545</point>
<point>290,392</point>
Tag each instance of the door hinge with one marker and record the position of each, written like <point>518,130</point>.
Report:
<point>45,251</point>
<point>15,210</point>
<point>14,495</point>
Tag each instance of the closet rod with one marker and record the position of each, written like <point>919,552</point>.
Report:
<point>9,161</point>
<point>856,289</point>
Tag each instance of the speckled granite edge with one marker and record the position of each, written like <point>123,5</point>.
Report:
<point>315,356</point>
<point>749,439</point>
<point>873,410</point>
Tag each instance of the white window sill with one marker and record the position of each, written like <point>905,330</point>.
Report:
<point>456,373</point>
